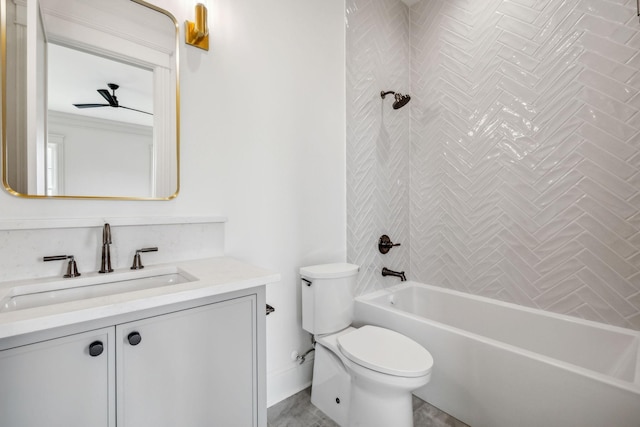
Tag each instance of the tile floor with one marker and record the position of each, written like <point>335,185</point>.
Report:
<point>297,411</point>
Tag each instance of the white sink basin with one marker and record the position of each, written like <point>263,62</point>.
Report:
<point>46,292</point>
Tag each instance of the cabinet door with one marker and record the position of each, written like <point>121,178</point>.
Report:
<point>192,368</point>
<point>62,382</point>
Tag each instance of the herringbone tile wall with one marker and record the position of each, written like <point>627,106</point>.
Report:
<point>378,146</point>
<point>514,172</point>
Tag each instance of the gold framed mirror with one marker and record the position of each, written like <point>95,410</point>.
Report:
<point>90,99</point>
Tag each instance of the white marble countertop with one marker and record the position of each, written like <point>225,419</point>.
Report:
<point>210,277</point>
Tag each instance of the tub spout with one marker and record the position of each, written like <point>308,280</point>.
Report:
<point>400,274</point>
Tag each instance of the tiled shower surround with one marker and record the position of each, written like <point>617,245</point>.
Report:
<point>514,172</point>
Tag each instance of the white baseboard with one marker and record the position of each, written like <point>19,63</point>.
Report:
<point>288,381</point>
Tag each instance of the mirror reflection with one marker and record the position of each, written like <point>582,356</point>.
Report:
<point>96,113</point>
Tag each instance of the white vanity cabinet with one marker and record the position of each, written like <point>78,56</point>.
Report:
<point>193,365</point>
<point>58,383</point>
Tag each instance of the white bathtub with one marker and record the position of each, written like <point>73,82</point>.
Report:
<point>502,365</point>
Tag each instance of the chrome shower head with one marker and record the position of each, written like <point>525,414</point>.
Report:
<point>400,99</point>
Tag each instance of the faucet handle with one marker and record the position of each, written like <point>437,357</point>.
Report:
<point>72,267</point>
<point>385,244</point>
<point>137,261</point>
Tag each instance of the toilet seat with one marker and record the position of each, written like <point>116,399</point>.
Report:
<point>385,351</point>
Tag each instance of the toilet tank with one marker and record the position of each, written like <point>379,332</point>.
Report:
<point>327,297</point>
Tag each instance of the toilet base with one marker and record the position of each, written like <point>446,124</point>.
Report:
<point>377,405</point>
<point>353,396</point>
<point>331,386</point>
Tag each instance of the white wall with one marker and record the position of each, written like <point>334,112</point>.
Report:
<point>262,142</point>
<point>274,99</point>
<point>92,163</point>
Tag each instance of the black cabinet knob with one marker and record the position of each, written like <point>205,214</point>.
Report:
<point>96,348</point>
<point>134,338</point>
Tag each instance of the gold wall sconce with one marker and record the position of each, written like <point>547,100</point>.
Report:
<point>197,32</point>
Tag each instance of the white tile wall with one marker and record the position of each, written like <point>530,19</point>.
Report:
<point>378,136</point>
<point>524,149</point>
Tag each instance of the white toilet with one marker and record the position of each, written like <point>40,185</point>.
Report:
<point>361,376</point>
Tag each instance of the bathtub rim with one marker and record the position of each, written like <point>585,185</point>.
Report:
<point>631,386</point>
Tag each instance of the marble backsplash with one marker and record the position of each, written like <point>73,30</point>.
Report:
<point>24,243</point>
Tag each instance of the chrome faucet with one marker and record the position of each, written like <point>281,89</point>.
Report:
<point>400,274</point>
<point>105,266</point>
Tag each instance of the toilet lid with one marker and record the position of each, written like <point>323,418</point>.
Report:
<point>386,351</point>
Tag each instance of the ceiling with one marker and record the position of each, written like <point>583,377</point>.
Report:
<point>75,76</point>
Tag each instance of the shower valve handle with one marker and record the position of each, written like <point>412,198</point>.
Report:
<point>385,244</point>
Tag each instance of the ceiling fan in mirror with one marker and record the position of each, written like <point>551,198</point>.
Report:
<point>111,99</point>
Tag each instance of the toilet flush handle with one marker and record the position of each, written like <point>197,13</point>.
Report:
<point>308,282</point>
